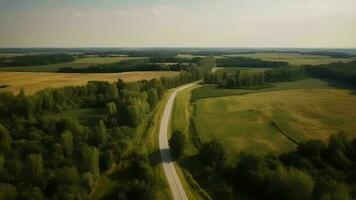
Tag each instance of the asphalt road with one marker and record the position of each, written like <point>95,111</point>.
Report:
<point>168,164</point>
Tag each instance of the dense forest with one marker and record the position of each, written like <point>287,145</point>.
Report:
<point>39,59</point>
<point>315,170</point>
<point>245,79</point>
<point>152,64</point>
<point>248,62</point>
<point>343,72</point>
<point>46,154</point>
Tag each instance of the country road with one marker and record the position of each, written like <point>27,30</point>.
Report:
<point>167,162</point>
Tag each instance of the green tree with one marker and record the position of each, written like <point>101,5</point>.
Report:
<point>290,184</point>
<point>100,136</point>
<point>213,154</point>
<point>67,143</point>
<point>106,160</point>
<point>90,160</point>
<point>34,166</point>
<point>111,108</point>
<point>5,140</point>
<point>152,98</point>
<point>176,143</point>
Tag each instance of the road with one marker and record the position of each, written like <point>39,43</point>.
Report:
<point>167,162</point>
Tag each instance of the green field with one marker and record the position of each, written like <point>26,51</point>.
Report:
<point>295,58</point>
<point>260,121</point>
<point>78,63</point>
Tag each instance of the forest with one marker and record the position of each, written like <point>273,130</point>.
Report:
<point>46,154</point>
<point>246,79</point>
<point>248,62</point>
<point>152,64</point>
<point>343,72</point>
<point>315,170</point>
<point>38,59</point>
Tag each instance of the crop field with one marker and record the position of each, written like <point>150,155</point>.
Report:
<point>295,59</point>
<point>78,63</point>
<point>266,120</point>
<point>34,81</point>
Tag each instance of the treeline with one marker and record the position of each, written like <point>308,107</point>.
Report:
<point>40,59</point>
<point>248,62</point>
<point>332,54</point>
<point>46,154</point>
<point>151,64</point>
<point>315,170</point>
<point>245,79</point>
<point>343,72</point>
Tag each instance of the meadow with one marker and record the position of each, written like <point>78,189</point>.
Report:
<point>295,58</point>
<point>34,81</point>
<point>78,63</point>
<point>273,119</point>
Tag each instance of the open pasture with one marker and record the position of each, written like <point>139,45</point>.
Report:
<point>295,58</point>
<point>34,81</point>
<point>266,121</point>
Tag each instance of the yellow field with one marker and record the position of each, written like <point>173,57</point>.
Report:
<point>34,81</point>
<point>245,122</point>
<point>295,59</point>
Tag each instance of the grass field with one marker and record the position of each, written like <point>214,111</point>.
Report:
<point>257,121</point>
<point>34,81</point>
<point>295,59</point>
<point>78,63</point>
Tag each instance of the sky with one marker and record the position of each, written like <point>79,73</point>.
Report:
<point>178,23</point>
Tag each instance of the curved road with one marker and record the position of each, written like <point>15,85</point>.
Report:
<point>167,162</point>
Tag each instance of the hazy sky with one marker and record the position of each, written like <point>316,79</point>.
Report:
<point>177,23</point>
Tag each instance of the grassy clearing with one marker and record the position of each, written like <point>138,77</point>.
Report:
<point>78,63</point>
<point>306,109</point>
<point>34,81</point>
<point>294,58</point>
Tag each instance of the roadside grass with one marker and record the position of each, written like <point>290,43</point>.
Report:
<point>181,118</point>
<point>34,81</point>
<point>253,121</point>
<point>78,63</point>
<point>295,58</point>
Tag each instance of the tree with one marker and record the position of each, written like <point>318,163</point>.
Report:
<point>152,98</point>
<point>176,143</point>
<point>111,108</point>
<point>213,154</point>
<point>290,184</point>
<point>5,140</point>
<point>67,143</point>
<point>100,136</point>
<point>34,166</point>
<point>90,159</point>
<point>106,160</point>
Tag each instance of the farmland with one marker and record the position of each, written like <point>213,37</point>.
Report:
<point>78,63</point>
<point>252,120</point>
<point>34,81</point>
<point>295,58</point>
